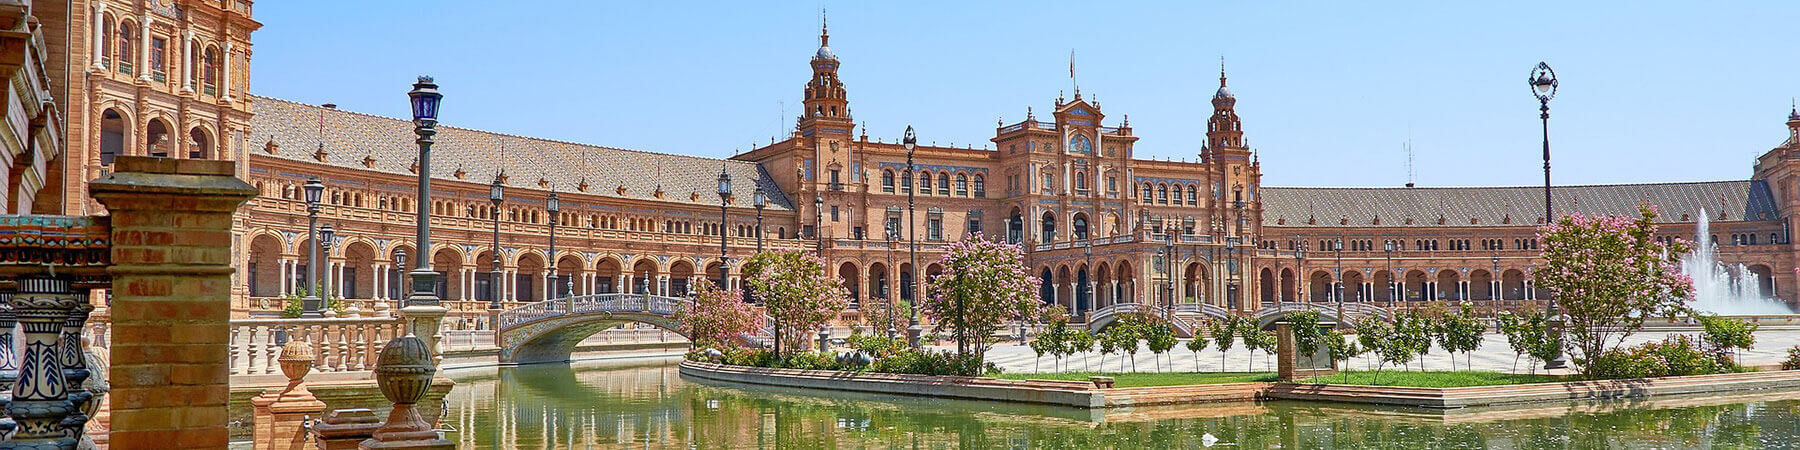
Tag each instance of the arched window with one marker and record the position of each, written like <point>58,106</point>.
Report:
<point>199,145</point>
<point>1049,228</point>
<point>125,47</point>
<point>112,136</point>
<point>925,183</point>
<point>1148,192</point>
<point>906,183</point>
<point>1193,195</point>
<point>980,187</point>
<point>887,181</point>
<point>1049,182</point>
<point>962,185</point>
<point>943,183</point>
<point>1162,194</point>
<point>209,72</point>
<point>1080,181</point>
<point>106,30</point>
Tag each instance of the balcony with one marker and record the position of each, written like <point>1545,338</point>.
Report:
<point>159,77</point>
<point>125,68</point>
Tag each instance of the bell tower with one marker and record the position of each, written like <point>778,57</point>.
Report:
<point>825,122</point>
<point>1238,175</point>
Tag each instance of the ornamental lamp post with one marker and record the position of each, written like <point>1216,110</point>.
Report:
<point>1494,279</point>
<point>552,205</point>
<point>724,194</point>
<point>819,225</point>
<point>1337,280</point>
<point>910,141</point>
<point>311,305</point>
<point>326,236</point>
<point>497,195</point>
<point>1388,248</point>
<point>423,311</point>
<point>760,200</point>
<point>1231,287</point>
<point>1543,86</point>
<point>1299,271</point>
<point>400,267</point>
<point>893,236</point>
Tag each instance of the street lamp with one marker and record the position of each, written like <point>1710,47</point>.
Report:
<point>400,266</point>
<point>1168,266</point>
<point>326,235</point>
<point>1388,248</point>
<point>725,193</point>
<point>759,199</point>
<point>1543,86</point>
<point>1494,279</point>
<point>424,97</point>
<point>893,235</point>
<point>911,141</point>
<point>552,205</point>
<point>819,225</point>
<point>497,195</point>
<point>312,306</point>
<point>1300,272</point>
<point>1337,280</point>
<point>1231,269</point>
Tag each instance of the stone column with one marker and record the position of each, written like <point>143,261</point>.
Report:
<point>404,375</point>
<point>187,60</point>
<point>40,398</point>
<point>225,76</point>
<point>143,56</point>
<point>281,413</point>
<point>99,36</point>
<point>171,309</point>
<point>345,429</point>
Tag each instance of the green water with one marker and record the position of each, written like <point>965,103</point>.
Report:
<point>552,406</point>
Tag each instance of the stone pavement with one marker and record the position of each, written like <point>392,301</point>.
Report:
<point>1771,347</point>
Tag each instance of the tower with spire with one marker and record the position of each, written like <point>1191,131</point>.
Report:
<point>824,133</point>
<point>1239,176</point>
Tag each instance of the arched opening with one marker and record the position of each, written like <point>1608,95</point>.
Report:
<point>1481,285</point>
<point>1194,283</point>
<point>156,139</point>
<point>1353,287</point>
<point>1447,285</point>
<point>1287,285</point>
<point>1015,227</point>
<point>1081,226</point>
<point>681,275</point>
<point>878,281</point>
<point>643,277</point>
<point>487,281</point>
<point>907,284</point>
<point>1384,286</point>
<point>358,280</point>
<point>1765,279</point>
<point>209,74</point>
<point>1267,278</point>
<point>1415,286</point>
<point>528,284</point>
<point>570,277</point>
<point>1046,287</point>
<point>1048,228</point>
<point>1063,287</point>
<point>1320,285</point>
<point>1125,289</point>
<point>112,136</point>
<point>199,144</point>
<point>1084,300</point>
<point>851,280</point>
<point>397,287</point>
<point>1103,295</point>
<point>264,266</point>
<point>448,264</point>
<point>606,276</point>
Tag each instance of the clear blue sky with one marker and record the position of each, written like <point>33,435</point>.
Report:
<point>1328,91</point>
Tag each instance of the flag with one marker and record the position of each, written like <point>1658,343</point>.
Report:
<point>1071,63</point>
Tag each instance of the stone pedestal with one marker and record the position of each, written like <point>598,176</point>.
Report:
<point>404,373</point>
<point>281,413</point>
<point>345,429</point>
<point>171,308</point>
<point>1293,366</point>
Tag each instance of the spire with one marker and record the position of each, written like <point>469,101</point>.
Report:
<point>1793,110</point>
<point>1221,71</point>
<point>824,30</point>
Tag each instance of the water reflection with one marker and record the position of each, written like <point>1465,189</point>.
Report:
<point>553,406</point>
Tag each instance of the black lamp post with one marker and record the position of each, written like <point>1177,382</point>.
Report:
<point>1168,266</point>
<point>400,265</point>
<point>552,205</point>
<point>1494,279</point>
<point>759,199</point>
<point>311,304</point>
<point>911,141</point>
<point>724,194</point>
<point>497,195</point>
<point>1337,280</point>
<point>819,225</point>
<point>893,236</point>
<point>1231,269</point>
<point>1543,86</point>
<point>425,98</point>
<point>326,235</point>
<point>1300,272</point>
<point>1388,248</point>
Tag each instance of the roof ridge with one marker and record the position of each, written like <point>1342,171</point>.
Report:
<point>505,134</point>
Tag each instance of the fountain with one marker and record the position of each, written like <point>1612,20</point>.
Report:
<point>1731,290</point>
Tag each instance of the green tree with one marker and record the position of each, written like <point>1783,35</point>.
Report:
<point>1195,345</point>
<point>1461,332</point>
<point>1609,274</point>
<point>1082,341</point>
<point>1725,335</point>
<point>1222,331</point>
<point>1159,338</point>
<point>1341,349</point>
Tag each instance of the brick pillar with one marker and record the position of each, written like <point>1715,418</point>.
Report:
<point>171,254</point>
<point>1291,365</point>
<point>281,413</point>
<point>345,429</point>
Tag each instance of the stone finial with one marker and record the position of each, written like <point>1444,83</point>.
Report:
<point>403,372</point>
<point>296,359</point>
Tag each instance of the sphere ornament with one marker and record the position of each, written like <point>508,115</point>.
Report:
<point>297,358</point>
<point>404,370</point>
<point>1543,82</point>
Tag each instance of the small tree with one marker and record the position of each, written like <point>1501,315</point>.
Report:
<point>1125,339</point>
<point>1414,332</point>
<point>1160,337</point>
<point>1107,345</point>
<point>1222,331</point>
<point>1082,341</point>
<point>1609,274</point>
<point>1307,335</point>
<point>796,291</point>
<point>1725,336</point>
<point>1376,336</point>
<point>1195,345</point>
<point>1341,349</point>
<point>718,317</point>
<point>1461,332</point>
<point>1541,344</point>
<point>984,285</point>
<point>1513,327</point>
<point>1263,341</point>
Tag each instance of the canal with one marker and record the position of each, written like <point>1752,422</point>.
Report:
<point>649,405</point>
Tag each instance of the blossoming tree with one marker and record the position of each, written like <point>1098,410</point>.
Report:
<point>1608,274</point>
<point>797,292</point>
<point>718,317</point>
<point>984,285</point>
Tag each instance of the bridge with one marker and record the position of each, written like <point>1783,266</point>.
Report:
<point>1353,311</point>
<point>548,331</point>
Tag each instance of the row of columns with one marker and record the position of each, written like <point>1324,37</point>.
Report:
<point>142,61</point>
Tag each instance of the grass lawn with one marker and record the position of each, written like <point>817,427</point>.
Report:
<point>1463,378</point>
<point>1139,379</point>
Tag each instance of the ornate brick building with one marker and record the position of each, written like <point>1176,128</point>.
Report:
<point>1100,225</point>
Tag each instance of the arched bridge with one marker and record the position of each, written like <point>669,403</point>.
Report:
<point>1101,318</point>
<point>548,331</point>
<point>1187,316</point>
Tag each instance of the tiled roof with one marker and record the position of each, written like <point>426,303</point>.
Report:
<point>1521,206</point>
<point>349,137</point>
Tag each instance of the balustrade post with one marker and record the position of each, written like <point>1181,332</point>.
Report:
<point>40,399</point>
<point>9,364</point>
<point>273,341</point>
<point>74,362</point>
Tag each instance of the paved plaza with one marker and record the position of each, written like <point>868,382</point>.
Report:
<point>1771,347</point>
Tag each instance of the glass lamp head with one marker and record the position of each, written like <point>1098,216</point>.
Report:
<point>425,98</point>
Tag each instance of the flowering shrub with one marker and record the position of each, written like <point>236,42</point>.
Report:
<point>984,285</point>
<point>1609,274</point>
<point>797,292</point>
<point>1793,359</point>
<point>718,317</point>
<point>1675,356</point>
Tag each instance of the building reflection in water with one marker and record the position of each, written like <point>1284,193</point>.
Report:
<point>556,406</point>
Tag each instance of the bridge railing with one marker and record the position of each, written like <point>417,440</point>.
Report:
<point>1178,322</point>
<point>614,302</point>
<point>1203,309</point>
<point>1351,309</point>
